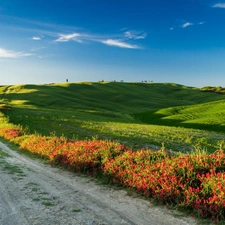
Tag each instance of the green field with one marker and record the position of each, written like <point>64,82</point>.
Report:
<point>137,114</point>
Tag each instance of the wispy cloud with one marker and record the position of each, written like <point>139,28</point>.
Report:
<point>36,38</point>
<point>35,49</point>
<point>186,25</point>
<point>119,44</point>
<point>12,54</point>
<point>135,35</point>
<point>120,40</point>
<point>219,5</point>
<point>69,37</point>
<point>61,33</point>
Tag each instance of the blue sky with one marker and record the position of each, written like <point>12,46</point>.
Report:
<point>50,41</point>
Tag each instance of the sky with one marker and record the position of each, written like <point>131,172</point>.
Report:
<point>50,41</point>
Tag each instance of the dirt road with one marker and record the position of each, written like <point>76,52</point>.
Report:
<point>35,193</point>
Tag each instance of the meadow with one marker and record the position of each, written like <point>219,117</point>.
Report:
<point>162,140</point>
<point>136,114</point>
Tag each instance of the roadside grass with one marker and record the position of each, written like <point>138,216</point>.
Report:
<point>32,184</point>
<point>43,193</point>
<point>76,210</point>
<point>7,167</point>
<point>36,199</point>
<point>47,203</point>
<point>3,154</point>
<point>11,169</point>
<point>34,189</point>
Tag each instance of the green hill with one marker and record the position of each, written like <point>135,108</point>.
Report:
<point>128,97</point>
<point>117,110</point>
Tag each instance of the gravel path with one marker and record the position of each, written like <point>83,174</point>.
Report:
<point>34,193</point>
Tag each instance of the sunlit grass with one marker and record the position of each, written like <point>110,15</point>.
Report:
<point>137,114</point>
<point>80,125</point>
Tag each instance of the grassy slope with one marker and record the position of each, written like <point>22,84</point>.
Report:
<point>115,110</point>
<point>208,116</point>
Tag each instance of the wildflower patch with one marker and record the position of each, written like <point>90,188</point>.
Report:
<point>193,181</point>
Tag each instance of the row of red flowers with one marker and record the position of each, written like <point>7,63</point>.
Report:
<point>192,181</point>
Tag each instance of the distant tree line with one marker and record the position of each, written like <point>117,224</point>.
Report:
<point>143,81</point>
<point>218,89</point>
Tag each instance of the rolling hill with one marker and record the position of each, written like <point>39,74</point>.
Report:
<point>117,110</point>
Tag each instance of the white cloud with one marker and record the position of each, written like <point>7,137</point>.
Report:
<point>68,37</point>
<point>135,35</point>
<point>36,38</point>
<point>201,23</point>
<point>119,44</point>
<point>111,40</point>
<point>219,5</point>
<point>186,25</point>
<point>12,54</point>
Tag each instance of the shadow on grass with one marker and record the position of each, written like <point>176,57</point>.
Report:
<point>154,118</point>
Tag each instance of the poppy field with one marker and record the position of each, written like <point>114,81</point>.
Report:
<point>195,181</point>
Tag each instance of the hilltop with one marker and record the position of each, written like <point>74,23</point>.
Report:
<point>113,96</point>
